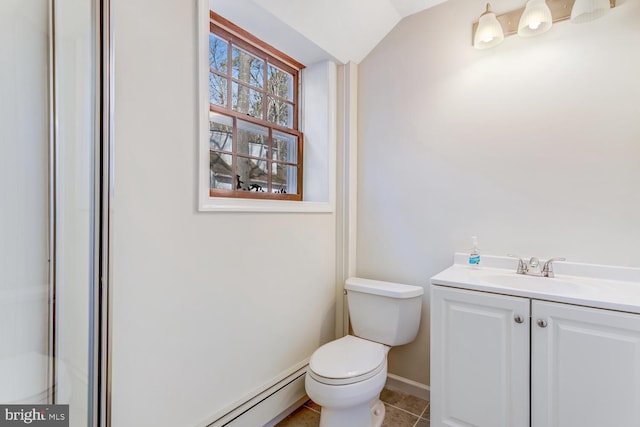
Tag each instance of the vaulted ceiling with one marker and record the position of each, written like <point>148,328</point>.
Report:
<point>343,30</point>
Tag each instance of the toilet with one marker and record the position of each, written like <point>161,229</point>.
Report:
<point>345,376</point>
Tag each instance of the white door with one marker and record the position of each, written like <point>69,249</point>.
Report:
<point>479,359</point>
<point>585,368</point>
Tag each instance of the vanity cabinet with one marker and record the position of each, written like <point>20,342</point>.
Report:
<point>506,361</point>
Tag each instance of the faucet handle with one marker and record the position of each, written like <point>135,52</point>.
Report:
<point>547,267</point>
<point>522,265</point>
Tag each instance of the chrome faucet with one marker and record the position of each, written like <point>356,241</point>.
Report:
<point>533,268</point>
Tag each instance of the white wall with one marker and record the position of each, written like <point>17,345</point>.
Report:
<point>533,146</point>
<point>207,307</point>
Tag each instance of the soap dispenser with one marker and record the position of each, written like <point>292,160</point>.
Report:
<point>474,253</point>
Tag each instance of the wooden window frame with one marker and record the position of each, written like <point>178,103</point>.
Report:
<point>237,37</point>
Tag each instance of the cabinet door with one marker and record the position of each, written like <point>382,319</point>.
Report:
<point>479,359</point>
<point>585,369</point>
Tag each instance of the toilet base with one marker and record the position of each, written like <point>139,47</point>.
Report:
<point>377,414</point>
<point>368,414</point>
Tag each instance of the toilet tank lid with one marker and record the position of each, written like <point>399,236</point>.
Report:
<point>378,287</point>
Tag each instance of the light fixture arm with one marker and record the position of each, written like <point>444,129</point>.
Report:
<point>487,10</point>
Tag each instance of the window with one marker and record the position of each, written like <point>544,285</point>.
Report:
<point>255,147</point>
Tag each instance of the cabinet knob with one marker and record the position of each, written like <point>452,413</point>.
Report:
<point>542,323</point>
<point>518,318</point>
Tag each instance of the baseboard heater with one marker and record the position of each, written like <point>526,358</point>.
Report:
<point>266,404</point>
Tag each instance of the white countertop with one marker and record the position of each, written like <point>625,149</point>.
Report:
<point>601,286</point>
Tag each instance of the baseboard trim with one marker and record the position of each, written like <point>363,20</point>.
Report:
<point>284,414</point>
<point>405,385</point>
<point>266,403</point>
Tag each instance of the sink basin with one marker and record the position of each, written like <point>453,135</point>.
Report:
<point>541,284</point>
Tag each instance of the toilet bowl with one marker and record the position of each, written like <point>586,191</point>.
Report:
<point>345,376</point>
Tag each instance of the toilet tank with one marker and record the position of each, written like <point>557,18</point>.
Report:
<point>384,312</point>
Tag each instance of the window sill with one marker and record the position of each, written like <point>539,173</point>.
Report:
<point>221,204</point>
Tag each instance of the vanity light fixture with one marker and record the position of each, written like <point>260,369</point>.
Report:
<point>533,19</point>
<point>489,32</point>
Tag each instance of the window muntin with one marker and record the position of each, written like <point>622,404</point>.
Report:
<point>255,145</point>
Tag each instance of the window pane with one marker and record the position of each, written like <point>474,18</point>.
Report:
<point>280,112</point>
<point>285,147</point>
<point>280,83</point>
<point>220,171</point>
<point>247,100</point>
<point>284,179</point>
<point>248,68</point>
<point>220,132</point>
<point>217,90</point>
<point>253,140</point>
<point>218,54</point>
<point>252,174</point>
<point>253,144</point>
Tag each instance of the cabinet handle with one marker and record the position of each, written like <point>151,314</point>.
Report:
<point>542,323</point>
<point>518,318</point>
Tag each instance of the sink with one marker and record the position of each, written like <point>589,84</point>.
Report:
<point>541,284</point>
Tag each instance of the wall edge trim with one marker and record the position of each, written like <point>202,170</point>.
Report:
<point>414,388</point>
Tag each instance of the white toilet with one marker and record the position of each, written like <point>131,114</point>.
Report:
<point>345,377</point>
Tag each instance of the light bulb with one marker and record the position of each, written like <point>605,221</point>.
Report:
<point>534,25</point>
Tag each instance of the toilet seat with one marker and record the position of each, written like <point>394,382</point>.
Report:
<point>347,360</point>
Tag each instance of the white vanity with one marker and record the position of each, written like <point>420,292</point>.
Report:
<point>511,350</point>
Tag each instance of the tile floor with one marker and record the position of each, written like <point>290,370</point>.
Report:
<point>402,410</point>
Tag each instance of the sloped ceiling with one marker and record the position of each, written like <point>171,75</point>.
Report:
<point>343,30</point>
<point>409,7</point>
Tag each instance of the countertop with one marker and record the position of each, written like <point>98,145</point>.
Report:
<point>591,285</point>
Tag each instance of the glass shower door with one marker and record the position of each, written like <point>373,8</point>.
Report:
<point>47,198</point>
<point>24,209</point>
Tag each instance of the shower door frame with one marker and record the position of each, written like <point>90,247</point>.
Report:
<point>52,178</point>
<point>104,198</point>
<point>99,372</point>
